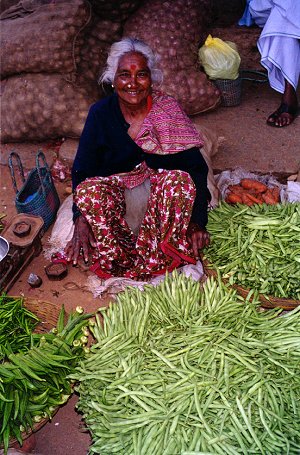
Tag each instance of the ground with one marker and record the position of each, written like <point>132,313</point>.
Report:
<point>247,142</point>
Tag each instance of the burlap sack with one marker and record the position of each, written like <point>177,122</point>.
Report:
<point>7,4</point>
<point>22,8</point>
<point>174,30</point>
<point>97,39</point>
<point>40,106</point>
<point>44,40</point>
<point>117,10</point>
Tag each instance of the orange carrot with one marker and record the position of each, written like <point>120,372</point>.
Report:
<point>275,193</point>
<point>246,200</point>
<point>254,199</point>
<point>233,198</point>
<point>252,184</point>
<point>269,198</point>
<point>259,197</point>
<point>236,189</point>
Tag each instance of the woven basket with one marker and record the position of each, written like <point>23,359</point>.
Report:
<point>265,301</point>
<point>38,195</point>
<point>48,315</point>
<point>231,91</point>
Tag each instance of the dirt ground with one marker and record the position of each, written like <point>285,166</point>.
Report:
<point>246,142</point>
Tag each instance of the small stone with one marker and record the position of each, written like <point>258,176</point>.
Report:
<point>34,280</point>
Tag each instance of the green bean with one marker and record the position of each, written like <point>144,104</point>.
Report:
<point>263,241</point>
<point>212,378</point>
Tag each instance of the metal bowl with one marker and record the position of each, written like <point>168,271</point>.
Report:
<point>4,248</point>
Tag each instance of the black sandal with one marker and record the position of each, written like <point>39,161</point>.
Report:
<point>283,109</point>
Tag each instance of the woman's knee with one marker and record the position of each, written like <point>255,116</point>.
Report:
<point>177,180</point>
<point>178,176</point>
<point>101,186</point>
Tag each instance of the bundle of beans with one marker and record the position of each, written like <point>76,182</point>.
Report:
<point>118,10</point>
<point>257,247</point>
<point>174,30</point>
<point>181,370</point>
<point>39,106</point>
<point>44,40</point>
<point>92,55</point>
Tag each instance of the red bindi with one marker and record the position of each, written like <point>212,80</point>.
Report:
<point>132,67</point>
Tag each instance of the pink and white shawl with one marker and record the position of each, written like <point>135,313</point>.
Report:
<point>166,129</point>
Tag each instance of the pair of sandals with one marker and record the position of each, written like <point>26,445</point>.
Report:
<point>285,113</point>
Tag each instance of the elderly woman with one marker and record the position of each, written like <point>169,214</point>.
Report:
<point>137,135</point>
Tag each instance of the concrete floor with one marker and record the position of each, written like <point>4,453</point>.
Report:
<point>249,142</point>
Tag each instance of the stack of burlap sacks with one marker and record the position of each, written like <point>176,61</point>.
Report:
<point>53,52</point>
<point>51,55</point>
<point>176,29</point>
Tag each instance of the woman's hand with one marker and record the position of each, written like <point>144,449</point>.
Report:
<point>82,239</point>
<point>197,237</point>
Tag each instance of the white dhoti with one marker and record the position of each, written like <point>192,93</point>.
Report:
<point>279,43</point>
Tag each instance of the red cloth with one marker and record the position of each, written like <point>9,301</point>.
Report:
<point>161,244</point>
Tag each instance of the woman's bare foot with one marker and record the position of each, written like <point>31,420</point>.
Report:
<point>287,111</point>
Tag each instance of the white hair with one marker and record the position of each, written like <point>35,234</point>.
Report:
<point>123,47</point>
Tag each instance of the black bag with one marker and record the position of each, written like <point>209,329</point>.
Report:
<point>38,195</point>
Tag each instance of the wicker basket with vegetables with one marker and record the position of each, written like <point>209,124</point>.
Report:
<point>257,248</point>
<point>39,347</point>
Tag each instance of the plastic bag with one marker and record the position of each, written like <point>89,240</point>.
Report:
<point>220,59</point>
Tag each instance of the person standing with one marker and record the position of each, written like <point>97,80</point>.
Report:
<point>279,46</point>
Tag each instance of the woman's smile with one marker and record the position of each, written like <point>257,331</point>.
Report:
<point>133,80</point>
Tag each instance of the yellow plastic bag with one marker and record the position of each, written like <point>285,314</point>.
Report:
<point>220,59</point>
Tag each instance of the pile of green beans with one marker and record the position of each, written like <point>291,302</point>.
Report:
<point>16,325</point>
<point>257,247</point>
<point>34,381</point>
<point>179,370</point>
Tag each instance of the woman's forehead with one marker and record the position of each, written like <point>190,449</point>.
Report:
<point>133,60</point>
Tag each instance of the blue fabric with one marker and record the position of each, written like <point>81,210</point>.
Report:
<point>246,19</point>
<point>279,41</point>
<point>30,197</point>
<point>105,148</point>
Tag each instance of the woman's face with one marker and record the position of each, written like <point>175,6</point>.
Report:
<point>133,79</point>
